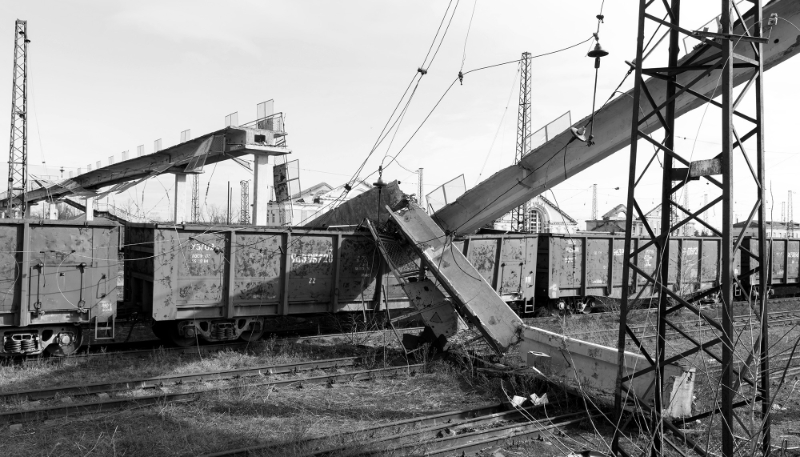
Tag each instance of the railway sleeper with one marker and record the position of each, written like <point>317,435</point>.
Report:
<point>191,331</point>
<point>58,340</point>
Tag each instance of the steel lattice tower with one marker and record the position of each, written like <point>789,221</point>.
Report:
<point>594,202</point>
<point>656,264</point>
<point>18,148</point>
<point>244,212</point>
<point>519,215</point>
<point>195,198</point>
<point>790,217</point>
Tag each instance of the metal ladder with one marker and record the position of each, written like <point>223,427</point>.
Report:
<point>104,330</point>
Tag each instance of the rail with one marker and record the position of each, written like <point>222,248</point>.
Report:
<point>67,409</point>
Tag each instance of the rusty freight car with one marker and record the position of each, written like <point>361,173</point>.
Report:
<point>783,269</point>
<point>220,283</point>
<point>56,276</point>
<point>508,263</point>
<point>581,272</point>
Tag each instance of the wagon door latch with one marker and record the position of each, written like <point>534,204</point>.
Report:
<point>37,305</point>
<point>81,301</point>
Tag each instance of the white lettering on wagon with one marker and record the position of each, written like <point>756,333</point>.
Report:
<point>313,258</point>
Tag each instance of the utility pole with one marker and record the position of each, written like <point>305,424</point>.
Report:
<point>419,190</point>
<point>244,212</point>
<point>519,215</point>
<point>195,198</point>
<point>686,207</point>
<point>18,148</point>
<point>719,55</point>
<point>790,216</point>
<point>594,202</point>
<point>228,210</point>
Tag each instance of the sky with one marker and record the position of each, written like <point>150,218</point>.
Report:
<point>105,77</point>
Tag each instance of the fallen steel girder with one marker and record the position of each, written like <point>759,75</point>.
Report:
<point>558,159</point>
<point>588,366</point>
<point>227,143</point>
<point>355,210</point>
<point>432,306</point>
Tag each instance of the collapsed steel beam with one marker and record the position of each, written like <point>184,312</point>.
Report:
<point>558,159</point>
<point>224,144</point>
<point>581,364</point>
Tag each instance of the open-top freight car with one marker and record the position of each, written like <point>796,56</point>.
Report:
<point>584,271</point>
<point>56,276</point>
<point>783,269</point>
<point>220,283</point>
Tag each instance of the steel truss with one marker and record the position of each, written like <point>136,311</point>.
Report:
<point>735,48</point>
<point>520,219</point>
<point>18,149</point>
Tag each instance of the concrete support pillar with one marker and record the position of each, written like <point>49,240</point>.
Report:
<point>181,208</point>
<point>263,182</point>
<point>52,211</point>
<point>89,204</point>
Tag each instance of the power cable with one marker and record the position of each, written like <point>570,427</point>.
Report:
<point>469,27</point>
<point>464,74</point>
<point>421,71</point>
<point>499,126</point>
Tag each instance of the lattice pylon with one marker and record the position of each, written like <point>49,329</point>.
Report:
<point>244,212</point>
<point>195,198</point>
<point>734,49</point>
<point>18,147</point>
<point>519,215</point>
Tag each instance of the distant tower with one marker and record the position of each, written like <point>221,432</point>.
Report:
<point>705,203</point>
<point>244,212</point>
<point>18,150</point>
<point>594,202</point>
<point>686,207</point>
<point>519,215</point>
<point>195,198</point>
<point>783,212</point>
<point>420,196</point>
<point>790,217</point>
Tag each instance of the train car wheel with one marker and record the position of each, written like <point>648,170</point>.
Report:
<point>66,343</point>
<point>178,339</point>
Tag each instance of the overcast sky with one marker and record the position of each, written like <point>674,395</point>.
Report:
<point>105,77</point>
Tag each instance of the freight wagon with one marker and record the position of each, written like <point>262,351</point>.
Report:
<point>583,272</point>
<point>56,276</point>
<point>783,269</point>
<point>221,283</point>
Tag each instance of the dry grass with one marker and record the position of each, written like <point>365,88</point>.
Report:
<point>248,416</point>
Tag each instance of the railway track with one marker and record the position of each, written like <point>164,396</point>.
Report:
<point>462,432</point>
<point>146,348</point>
<point>775,318</point>
<point>534,320</point>
<point>97,398</point>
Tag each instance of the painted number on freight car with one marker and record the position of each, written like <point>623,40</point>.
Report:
<point>201,252</point>
<point>313,258</point>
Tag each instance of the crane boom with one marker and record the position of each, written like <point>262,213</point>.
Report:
<point>560,158</point>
